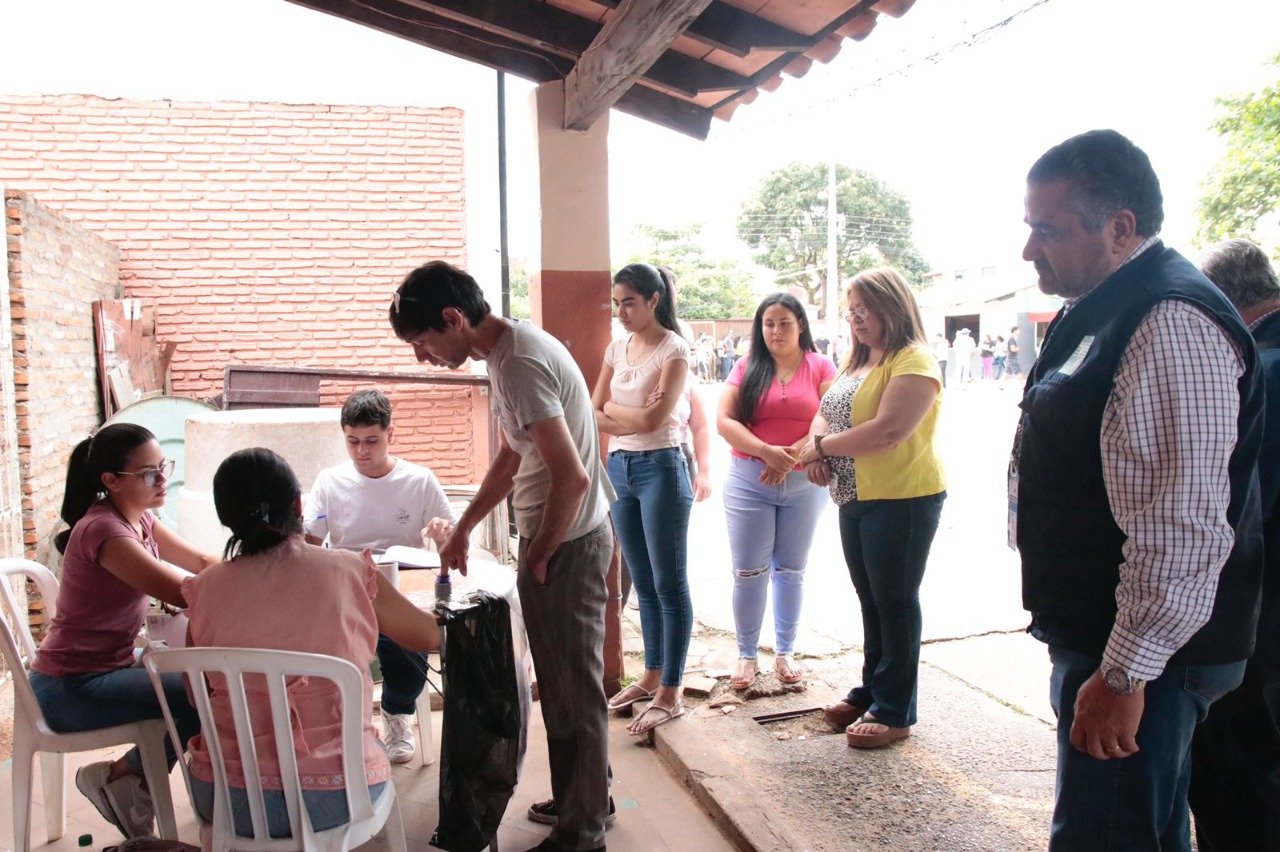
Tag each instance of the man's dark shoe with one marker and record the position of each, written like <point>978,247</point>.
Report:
<point>545,813</point>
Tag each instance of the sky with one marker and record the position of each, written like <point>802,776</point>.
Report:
<point>954,130</point>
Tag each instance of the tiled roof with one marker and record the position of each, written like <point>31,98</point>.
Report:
<point>682,62</point>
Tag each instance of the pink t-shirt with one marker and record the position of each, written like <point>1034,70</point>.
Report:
<point>632,385</point>
<point>98,615</point>
<point>294,597</point>
<point>779,421</point>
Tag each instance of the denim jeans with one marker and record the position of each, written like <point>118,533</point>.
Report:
<point>327,808</point>
<point>651,519</point>
<point>770,531</point>
<point>86,702</point>
<point>1235,766</point>
<point>886,545</point>
<point>1137,802</point>
<point>404,673</point>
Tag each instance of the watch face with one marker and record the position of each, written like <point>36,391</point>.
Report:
<point>1116,679</point>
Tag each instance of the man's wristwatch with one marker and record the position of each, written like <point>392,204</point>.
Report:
<point>817,446</point>
<point>1121,682</point>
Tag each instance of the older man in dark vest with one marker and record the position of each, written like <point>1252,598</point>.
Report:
<point>1133,496</point>
<point>1235,765</point>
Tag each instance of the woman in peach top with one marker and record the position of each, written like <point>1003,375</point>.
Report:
<point>255,599</point>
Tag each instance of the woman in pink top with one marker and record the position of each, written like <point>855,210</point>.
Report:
<point>640,383</point>
<point>277,591</point>
<point>115,558</point>
<point>772,508</point>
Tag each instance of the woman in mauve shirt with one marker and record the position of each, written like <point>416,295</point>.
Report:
<point>772,508</point>
<point>115,558</point>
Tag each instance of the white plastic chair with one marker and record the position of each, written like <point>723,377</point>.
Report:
<point>367,817</point>
<point>32,734</point>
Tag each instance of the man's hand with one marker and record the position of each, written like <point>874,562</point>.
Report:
<point>437,530</point>
<point>453,552</point>
<point>1106,724</point>
<point>538,568</point>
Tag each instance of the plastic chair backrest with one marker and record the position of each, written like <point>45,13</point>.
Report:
<point>19,645</point>
<point>277,667</point>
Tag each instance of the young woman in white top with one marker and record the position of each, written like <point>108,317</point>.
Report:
<point>635,397</point>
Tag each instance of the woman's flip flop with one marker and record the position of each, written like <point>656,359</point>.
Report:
<point>628,696</point>
<point>667,714</point>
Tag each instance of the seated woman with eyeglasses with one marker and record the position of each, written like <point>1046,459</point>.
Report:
<point>115,558</point>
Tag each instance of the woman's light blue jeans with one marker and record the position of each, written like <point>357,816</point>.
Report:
<point>651,520</point>
<point>770,532</point>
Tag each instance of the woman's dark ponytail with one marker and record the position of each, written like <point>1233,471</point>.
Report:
<point>106,452</point>
<point>646,280</point>
<point>255,491</point>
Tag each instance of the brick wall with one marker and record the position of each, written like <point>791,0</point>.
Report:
<point>263,233</point>
<point>10,494</point>
<point>449,452</point>
<point>56,269</point>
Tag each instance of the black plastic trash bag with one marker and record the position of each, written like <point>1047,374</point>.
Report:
<point>485,707</point>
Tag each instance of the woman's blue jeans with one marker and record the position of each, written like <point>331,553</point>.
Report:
<point>651,520</point>
<point>86,702</point>
<point>770,531</point>
<point>886,545</point>
<point>327,808</point>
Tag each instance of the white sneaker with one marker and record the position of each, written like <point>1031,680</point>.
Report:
<point>398,736</point>
<point>133,807</point>
<point>91,781</point>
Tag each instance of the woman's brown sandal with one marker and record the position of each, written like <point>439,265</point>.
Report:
<point>788,671</point>
<point>745,675</point>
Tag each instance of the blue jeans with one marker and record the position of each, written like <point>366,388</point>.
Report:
<point>86,702</point>
<point>404,673</point>
<point>651,519</point>
<point>327,808</point>
<point>770,531</point>
<point>886,545</point>
<point>1137,802</point>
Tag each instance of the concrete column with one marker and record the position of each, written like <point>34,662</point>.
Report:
<point>570,295</point>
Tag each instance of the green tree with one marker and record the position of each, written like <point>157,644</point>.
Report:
<point>785,224</point>
<point>708,289</point>
<point>519,278</point>
<point>1245,186</point>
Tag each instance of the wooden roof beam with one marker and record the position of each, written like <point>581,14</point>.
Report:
<point>630,42</point>
<point>728,28</point>
<point>446,35</point>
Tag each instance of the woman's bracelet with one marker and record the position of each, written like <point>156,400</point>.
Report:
<point>817,446</point>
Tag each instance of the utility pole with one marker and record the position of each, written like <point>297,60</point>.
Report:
<point>833,259</point>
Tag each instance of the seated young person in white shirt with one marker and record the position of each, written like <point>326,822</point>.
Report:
<point>377,501</point>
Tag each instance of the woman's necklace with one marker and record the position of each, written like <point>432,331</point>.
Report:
<point>791,374</point>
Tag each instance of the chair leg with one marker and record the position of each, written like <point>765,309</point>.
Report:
<point>53,778</point>
<point>23,758</point>
<point>155,767</point>
<point>423,708</point>
<point>394,827</point>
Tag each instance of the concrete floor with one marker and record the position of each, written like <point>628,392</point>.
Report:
<point>655,811</point>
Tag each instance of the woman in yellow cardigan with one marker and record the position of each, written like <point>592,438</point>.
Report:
<point>872,444</point>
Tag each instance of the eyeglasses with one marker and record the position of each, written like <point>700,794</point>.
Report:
<point>152,476</point>
<point>856,313</point>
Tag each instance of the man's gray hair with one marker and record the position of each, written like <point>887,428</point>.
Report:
<point>1242,271</point>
